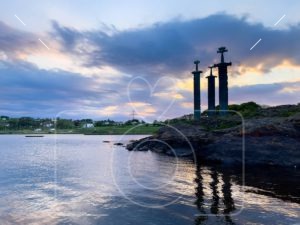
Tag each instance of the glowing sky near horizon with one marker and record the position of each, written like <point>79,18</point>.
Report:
<point>79,56</point>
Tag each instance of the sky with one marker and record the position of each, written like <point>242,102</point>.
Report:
<point>105,59</point>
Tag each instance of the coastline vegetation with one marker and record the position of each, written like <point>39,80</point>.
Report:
<point>249,110</point>
<point>28,125</point>
<point>238,113</point>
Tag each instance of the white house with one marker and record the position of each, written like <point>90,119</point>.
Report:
<point>88,125</point>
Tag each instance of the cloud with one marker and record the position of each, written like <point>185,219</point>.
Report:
<point>15,43</point>
<point>108,110</point>
<point>27,89</point>
<point>170,47</point>
<point>162,50</point>
<point>267,94</point>
<point>68,36</point>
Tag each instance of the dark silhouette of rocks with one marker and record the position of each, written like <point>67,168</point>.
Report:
<point>270,139</point>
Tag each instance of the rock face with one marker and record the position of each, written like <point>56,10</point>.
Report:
<point>177,140</point>
<point>279,111</point>
<point>260,141</point>
<point>267,142</point>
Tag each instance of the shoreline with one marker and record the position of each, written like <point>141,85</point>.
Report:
<point>22,134</point>
<point>128,130</point>
<point>269,141</point>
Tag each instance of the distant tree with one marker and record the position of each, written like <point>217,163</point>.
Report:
<point>86,121</point>
<point>77,123</point>
<point>28,122</point>
<point>64,124</point>
<point>132,122</point>
<point>99,123</point>
<point>156,123</point>
<point>13,123</point>
<point>4,118</point>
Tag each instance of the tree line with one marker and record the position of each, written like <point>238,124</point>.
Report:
<point>7,123</point>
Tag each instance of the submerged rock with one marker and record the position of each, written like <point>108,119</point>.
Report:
<point>118,144</point>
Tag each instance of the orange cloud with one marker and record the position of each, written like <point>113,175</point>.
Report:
<point>168,95</point>
<point>188,105</point>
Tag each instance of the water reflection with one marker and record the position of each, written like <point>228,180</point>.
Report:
<point>216,198</point>
<point>281,183</point>
<point>200,197</point>
<point>86,193</point>
<point>214,187</point>
<point>227,198</point>
<point>216,209</point>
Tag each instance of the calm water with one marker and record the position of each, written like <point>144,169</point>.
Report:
<point>77,179</point>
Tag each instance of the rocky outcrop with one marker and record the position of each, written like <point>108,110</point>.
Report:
<point>261,141</point>
<point>179,140</point>
<point>266,142</point>
<point>279,111</point>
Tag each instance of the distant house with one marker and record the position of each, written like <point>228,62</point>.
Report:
<point>47,125</point>
<point>88,125</point>
<point>4,118</point>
